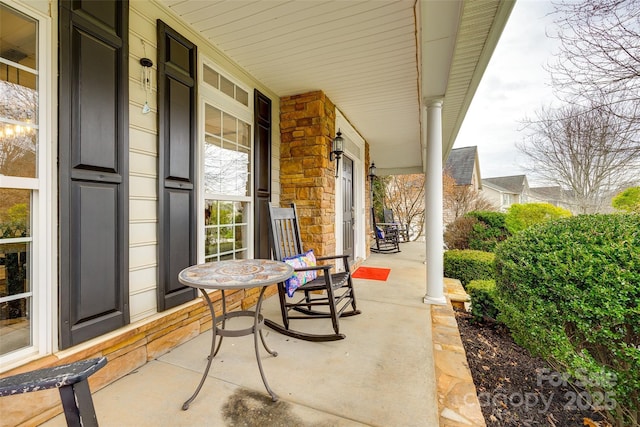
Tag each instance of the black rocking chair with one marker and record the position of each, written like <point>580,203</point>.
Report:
<point>387,239</point>
<point>333,291</point>
<point>403,229</point>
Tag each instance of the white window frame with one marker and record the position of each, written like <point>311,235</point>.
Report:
<point>43,250</point>
<point>218,99</point>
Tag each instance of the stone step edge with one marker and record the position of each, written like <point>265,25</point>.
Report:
<point>458,403</point>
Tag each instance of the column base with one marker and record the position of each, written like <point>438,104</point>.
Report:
<point>435,300</point>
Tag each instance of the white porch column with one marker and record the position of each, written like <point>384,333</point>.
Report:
<point>433,204</point>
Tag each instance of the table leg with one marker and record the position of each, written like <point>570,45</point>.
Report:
<point>257,330</point>
<point>214,348</point>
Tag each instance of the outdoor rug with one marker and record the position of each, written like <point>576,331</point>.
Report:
<point>371,273</point>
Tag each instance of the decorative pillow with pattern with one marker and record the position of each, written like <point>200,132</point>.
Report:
<point>307,259</point>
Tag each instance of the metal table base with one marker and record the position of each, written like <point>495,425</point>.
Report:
<point>216,331</point>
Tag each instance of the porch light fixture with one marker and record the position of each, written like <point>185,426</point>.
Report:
<point>337,148</point>
<point>372,171</point>
<point>372,176</point>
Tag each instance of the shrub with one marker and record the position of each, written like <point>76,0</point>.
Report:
<point>467,265</point>
<point>628,200</point>
<point>483,295</point>
<point>457,233</point>
<point>569,291</point>
<point>478,230</point>
<point>488,231</point>
<point>521,216</point>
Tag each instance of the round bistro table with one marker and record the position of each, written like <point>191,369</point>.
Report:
<point>229,275</point>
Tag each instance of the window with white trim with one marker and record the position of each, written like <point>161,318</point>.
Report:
<point>225,167</point>
<point>22,185</point>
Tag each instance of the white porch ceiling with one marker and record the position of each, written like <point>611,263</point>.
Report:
<point>375,59</point>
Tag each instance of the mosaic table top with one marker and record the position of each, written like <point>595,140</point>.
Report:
<point>235,274</point>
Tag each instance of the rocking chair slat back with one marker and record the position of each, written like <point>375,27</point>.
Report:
<point>285,232</point>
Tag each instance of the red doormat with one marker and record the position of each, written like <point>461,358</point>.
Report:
<point>371,273</point>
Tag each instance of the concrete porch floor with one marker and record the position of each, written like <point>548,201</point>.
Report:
<point>382,374</point>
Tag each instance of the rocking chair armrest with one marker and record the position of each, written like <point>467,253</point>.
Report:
<point>345,259</point>
<point>326,268</point>
<point>329,257</point>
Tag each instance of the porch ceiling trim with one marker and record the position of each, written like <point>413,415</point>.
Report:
<point>376,60</point>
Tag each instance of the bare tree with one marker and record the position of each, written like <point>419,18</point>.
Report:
<point>588,150</point>
<point>460,199</point>
<point>599,54</point>
<point>405,195</point>
<point>17,142</point>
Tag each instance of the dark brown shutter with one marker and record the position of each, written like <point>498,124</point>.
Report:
<point>177,137</point>
<point>93,169</point>
<point>262,175</point>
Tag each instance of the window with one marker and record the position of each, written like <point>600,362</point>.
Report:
<point>224,85</point>
<point>507,199</point>
<point>21,184</point>
<point>225,230</point>
<point>226,168</point>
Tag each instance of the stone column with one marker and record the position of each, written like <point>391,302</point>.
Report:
<point>433,204</point>
<point>307,177</point>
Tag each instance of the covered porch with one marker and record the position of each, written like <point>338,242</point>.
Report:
<point>269,84</point>
<point>382,374</point>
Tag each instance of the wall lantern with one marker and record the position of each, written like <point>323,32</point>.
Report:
<point>337,148</point>
<point>372,176</point>
<point>372,172</point>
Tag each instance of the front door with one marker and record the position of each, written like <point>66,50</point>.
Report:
<point>348,208</point>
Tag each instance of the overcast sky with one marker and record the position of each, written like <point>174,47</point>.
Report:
<point>513,87</point>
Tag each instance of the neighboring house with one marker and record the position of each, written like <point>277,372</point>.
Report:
<point>504,191</point>
<point>554,195</point>
<point>141,137</point>
<point>463,165</point>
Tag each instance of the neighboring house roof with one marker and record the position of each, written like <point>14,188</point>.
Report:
<point>547,193</point>
<point>512,184</point>
<point>460,164</point>
<point>495,187</point>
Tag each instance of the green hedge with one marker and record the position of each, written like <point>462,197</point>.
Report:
<point>483,295</point>
<point>569,291</point>
<point>488,231</point>
<point>468,265</point>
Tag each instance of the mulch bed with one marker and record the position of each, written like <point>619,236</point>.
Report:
<point>516,389</point>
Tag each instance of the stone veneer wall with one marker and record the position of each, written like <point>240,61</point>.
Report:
<point>307,177</point>
<point>126,349</point>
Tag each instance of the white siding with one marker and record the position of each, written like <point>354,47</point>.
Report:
<point>143,170</point>
<point>143,155</point>
<point>494,196</point>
